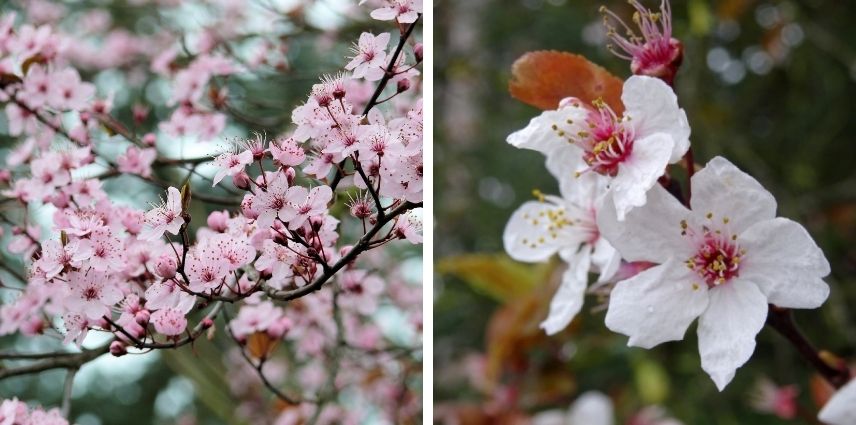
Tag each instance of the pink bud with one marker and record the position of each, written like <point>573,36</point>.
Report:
<point>218,221</point>
<point>118,349</point>
<point>5,176</point>
<point>290,174</point>
<point>343,251</point>
<point>279,328</point>
<point>166,266</point>
<point>59,199</point>
<point>142,317</point>
<point>316,223</point>
<point>403,85</point>
<point>207,323</point>
<point>247,207</point>
<point>141,112</point>
<point>85,116</point>
<point>241,180</point>
<point>150,139</point>
<point>417,52</point>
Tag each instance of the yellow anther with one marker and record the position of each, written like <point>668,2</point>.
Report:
<point>538,195</point>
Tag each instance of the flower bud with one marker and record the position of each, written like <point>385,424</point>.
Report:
<point>403,85</point>
<point>141,112</point>
<point>207,323</point>
<point>142,317</point>
<point>316,223</point>
<point>118,349</point>
<point>218,221</point>
<point>290,174</point>
<point>241,180</point>
<point>5,176</point>
<point>166,266</point>
<point>247,207</point>
<point>417,52</point>
<point>150,139</point>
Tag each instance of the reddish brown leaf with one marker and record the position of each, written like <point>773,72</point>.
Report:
<point>543,78</point>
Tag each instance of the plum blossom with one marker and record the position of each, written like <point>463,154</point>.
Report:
<point>655,52</point>
<point>230,164</point>
<point>565,225</point>
<point>780,401</point>
<point>107,251</point>
<point>841,408</point>
<point>632,149</point>
<point>166,217</point>
<point>92,294</point>
<point>272,202</point>
<point>169,321</point>
<point>369,60</point>
<point>304,204</point>
<point>262,316</point>
<point>137,161</point>
<point>404,11</point>
<point>590,408</point>
<point>57,257</point>
<point>721,261</point>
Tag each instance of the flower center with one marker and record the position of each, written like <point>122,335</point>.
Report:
<point>718,256</point>
<point>606,141</point>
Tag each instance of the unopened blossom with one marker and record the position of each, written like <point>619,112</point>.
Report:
<point>164,218</point>
<point>92,294</point>
<point>169,321</point>
<point>722,261</point>
<point>652,52</point>
<point>632,149</point>
<point>841,408</point>
<point>231,163</point>
<point>565,225</point>
<point>137,161</point>
<point>771,398</point>
<point>404,11</point>
<point>369,60</point>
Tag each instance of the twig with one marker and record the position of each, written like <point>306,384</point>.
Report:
<point>66,393</point>
<point>63,362</point>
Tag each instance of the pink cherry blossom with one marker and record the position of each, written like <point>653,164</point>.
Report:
<point>169,321</point>
<point>164,218</point>
<point>231,163</point>
<point>92,294</point>
<point>369,58</point>
<point>137,161</point>
<point>404,11</point>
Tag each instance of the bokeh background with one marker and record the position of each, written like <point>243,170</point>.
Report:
<point>193,385</point>
<point>768,84</point>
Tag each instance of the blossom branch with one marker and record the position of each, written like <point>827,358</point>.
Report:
<point>74,361</point>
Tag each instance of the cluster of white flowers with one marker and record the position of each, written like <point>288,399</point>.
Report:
<point>722,258</point>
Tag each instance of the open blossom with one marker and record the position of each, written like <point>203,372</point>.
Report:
<point>409,226</point>
<point>404,11</point>
<point>654,52</point>
<point>303,204</point>
<point>57,257</point>
<point>721,261</point>
<point>632,149</point>
<point>107,251</point>
<point>780,401</point>
<point>841,408</point>
<point>164,218</point>
<point>169,321</point>
<point>272,202</point>
<point>231,163</point>
<point>137,161</point>
<point>369,60</point>
<point>565,225</point>
<point>92,294</point>
<point>287,152</point>
<point>262,316</point>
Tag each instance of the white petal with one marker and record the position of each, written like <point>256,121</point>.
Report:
<point>539,135</point>
<point>653,108</point>
<point>531,236</point>
<point>785,263</point>
<point>656,305</point>
<point>727,329</point>
<point>650,233</point>
<point>606,259</point>
<point>564,163</point>
<point>841,408</point>
<point>722,189</point>
<point>568,300</point>
<point>592,408</point>
<point>639,172</point>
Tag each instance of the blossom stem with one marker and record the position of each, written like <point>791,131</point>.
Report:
<point>66,394</point>
<point>781,319</point>
<point>690,163</point>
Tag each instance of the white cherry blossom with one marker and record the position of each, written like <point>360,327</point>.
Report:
<point>721,261</point>
<point>841,408</point>
<point>632,149</point>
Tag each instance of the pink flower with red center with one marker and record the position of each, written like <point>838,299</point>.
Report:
<point>169,321</point>
<point>653,52</point>
<point>287,152</point>
<point>409,226</point>
<point>277,260</point>
<point>272,202</point>
<point>165,217</point>
<point>369,60</point>
<point>137,161</point>
<point>57,257</point>
<point>258,317</point>
<point>231,163</point>
<point>107,251</point>
<point>722,261</point>
<point>37,88</point>
<point>92,294</point>
<point>633,149</point>
<point>67,92</point>
<point>303,204</point>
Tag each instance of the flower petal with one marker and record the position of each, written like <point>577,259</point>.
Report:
<point>722,189</point>
<point>606,259</point>
<point>656,305</point>
<point>727,329</point>
<point>653,107</point>
<point>785,263</point>
<point>592,408</point>
<point>650,233</point>
<point>568,300</point>
<point>639,172</point>
<point>532,234</point>
<point>539,135</point>
<point>841,408</point>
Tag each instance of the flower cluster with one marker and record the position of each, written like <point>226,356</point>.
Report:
<point>720,256</point>
<point>290,265</point>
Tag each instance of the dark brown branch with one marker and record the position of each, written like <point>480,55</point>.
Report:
<point>74,361</point>
<point>782,321</point>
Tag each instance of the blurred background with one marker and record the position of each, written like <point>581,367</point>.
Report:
<point>296,41</point>
<point>768,84</point>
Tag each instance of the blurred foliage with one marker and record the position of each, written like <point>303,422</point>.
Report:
<point>765,83</point>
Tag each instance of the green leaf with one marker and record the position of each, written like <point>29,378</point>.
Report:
<point>495,275</point>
